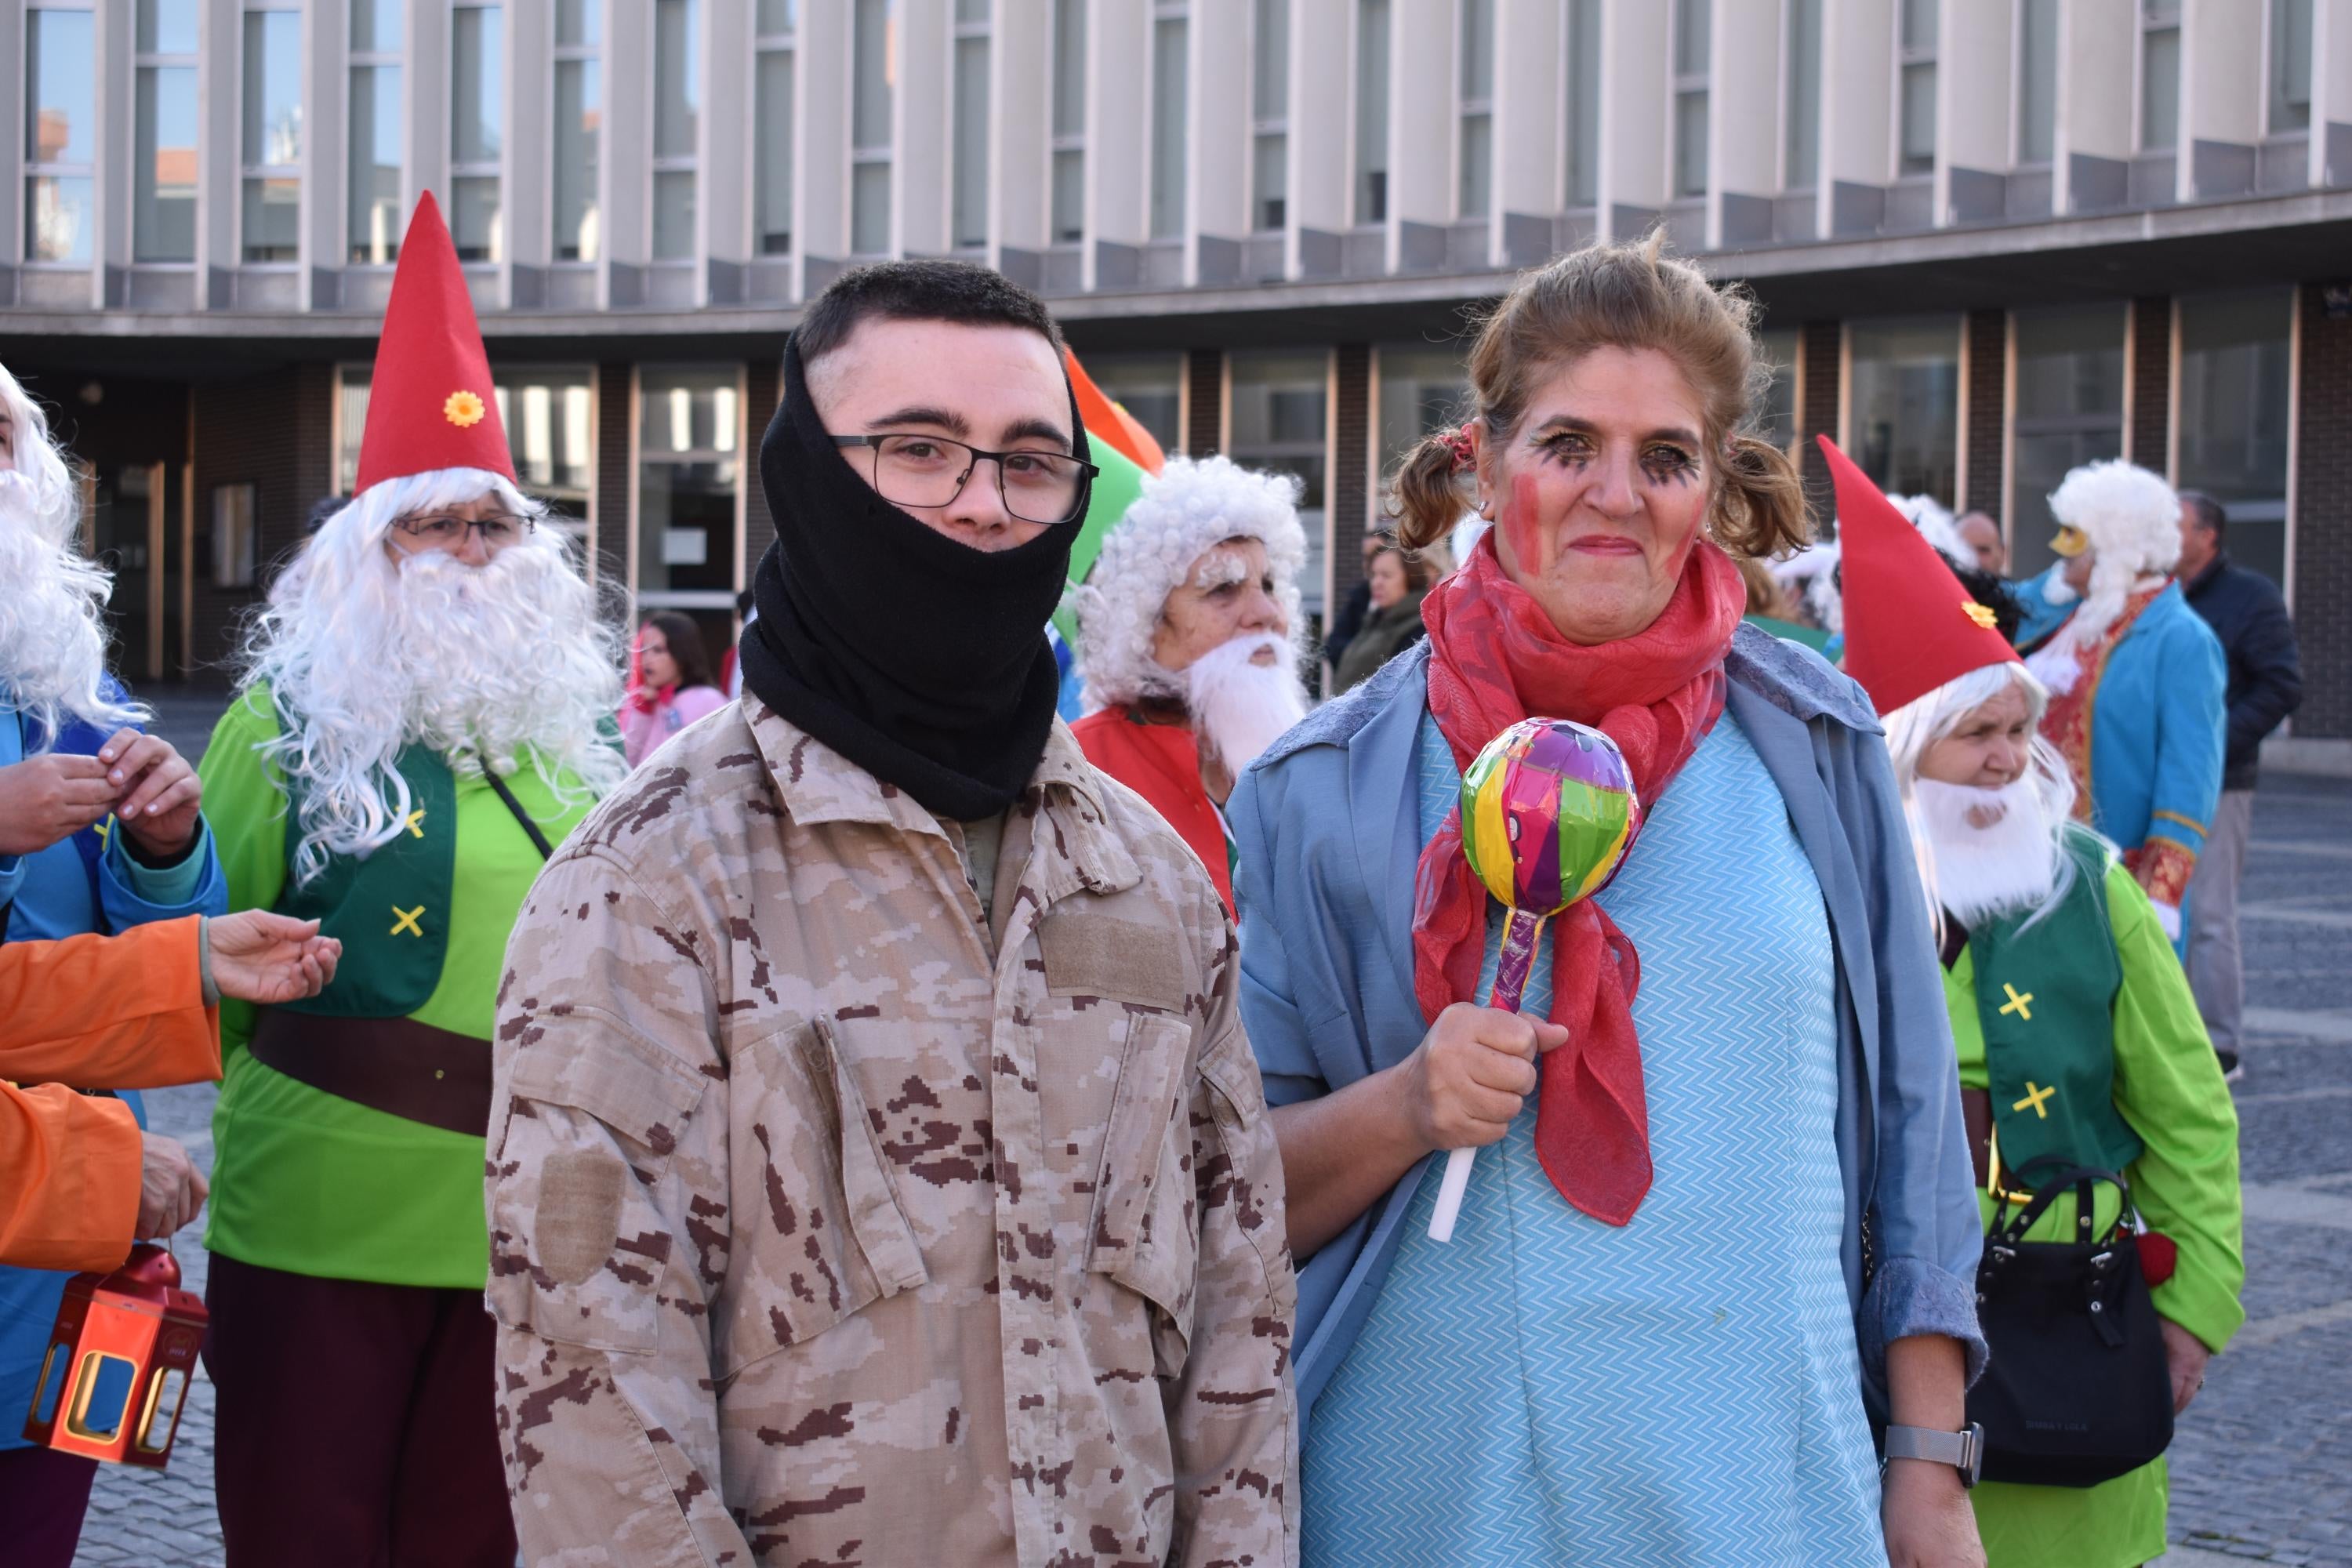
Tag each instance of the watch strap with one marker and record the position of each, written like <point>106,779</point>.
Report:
<point>1963,1449</point>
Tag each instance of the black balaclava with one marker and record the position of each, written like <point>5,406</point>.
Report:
<point>919,658</point>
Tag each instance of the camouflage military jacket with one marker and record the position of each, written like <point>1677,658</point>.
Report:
<point>832,1223</point>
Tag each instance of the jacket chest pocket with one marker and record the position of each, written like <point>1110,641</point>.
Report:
<point>1145,1231</point>
<point>818,1234</point>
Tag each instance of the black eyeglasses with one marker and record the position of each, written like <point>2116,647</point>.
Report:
<point>499,529</point>
<point>931,471</point>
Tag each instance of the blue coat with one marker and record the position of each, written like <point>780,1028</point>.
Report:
<point>1327,833</point>
<point>2159,725</point>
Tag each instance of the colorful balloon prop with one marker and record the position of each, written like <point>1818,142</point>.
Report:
<point>1548,810</point>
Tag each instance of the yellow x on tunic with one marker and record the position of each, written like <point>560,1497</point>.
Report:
<point>2034,1097</point>
<point>407,921</point>
<point>416,823</point>
<point>2019,1003</point>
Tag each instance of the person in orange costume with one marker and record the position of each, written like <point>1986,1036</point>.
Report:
<point>139,1009</point>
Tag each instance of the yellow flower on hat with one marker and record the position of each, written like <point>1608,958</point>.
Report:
<point>463,409</point>
<point>1980,614</point>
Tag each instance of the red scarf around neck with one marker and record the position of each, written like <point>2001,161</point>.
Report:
<point>1496,658</point>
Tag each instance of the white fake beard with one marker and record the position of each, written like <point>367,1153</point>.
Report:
<point>502,662</point>
<point>53,635</point>
<point>1239,708</point>
<point>1996,867</point>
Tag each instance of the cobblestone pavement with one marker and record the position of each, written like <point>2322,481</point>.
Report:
<point>2261,1463</point>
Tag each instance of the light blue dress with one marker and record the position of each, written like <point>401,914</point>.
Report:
<point>1548,1389</point>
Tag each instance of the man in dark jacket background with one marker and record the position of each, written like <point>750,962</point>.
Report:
<point>2247,614</point>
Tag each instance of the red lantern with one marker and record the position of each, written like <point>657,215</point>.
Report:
<point>119,1363</point>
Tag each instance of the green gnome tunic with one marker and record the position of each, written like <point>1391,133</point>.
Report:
<point>2091,1004</point>
<point>386,1186</point>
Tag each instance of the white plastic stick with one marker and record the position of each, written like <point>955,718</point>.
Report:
<point>1449,1193</point>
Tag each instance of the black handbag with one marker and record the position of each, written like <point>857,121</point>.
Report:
<point>2077,1390</point>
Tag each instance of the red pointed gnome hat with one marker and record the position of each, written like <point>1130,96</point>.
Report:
<point>431,405</point>
<point>1910,626</point>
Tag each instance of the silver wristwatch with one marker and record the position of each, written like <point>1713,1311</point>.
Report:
<point>1963,1449</point>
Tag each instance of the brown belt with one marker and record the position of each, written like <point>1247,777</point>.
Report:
<point>397,1066</point>
<point>1976,1110</point>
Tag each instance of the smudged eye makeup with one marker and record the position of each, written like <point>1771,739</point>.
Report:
<point>1662,461</point>
<point>1666,462</point>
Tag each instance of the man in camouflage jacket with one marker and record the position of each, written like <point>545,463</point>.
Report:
<point>874,1183</point>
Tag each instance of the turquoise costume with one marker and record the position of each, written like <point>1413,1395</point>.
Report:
<point>1684,1390</point>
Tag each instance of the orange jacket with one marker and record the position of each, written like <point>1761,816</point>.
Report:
<point>1162,762</point>
<point>99,1012</point>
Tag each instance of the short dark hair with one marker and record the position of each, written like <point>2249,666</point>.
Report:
<point>931,290</point>
<point>2211,515</point>
<point>322,512</point>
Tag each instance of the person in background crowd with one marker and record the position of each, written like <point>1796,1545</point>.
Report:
<point>101,829</point>
<point>80,1181</point>
<point>670,684</point>
<point>1398,583</point>
<point>1189,642</point>
<point>2104,1064</point>
<point>424,708</point>
<point>2136,680</point>
<point>1982,534</point>
<point>882,1176</point>
<point>2249,618</point>
<point>1659,1260</point>
<point>730,666</point>
<point>1351,618</point>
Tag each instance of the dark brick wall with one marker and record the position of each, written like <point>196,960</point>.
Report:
<point>274,431</point>
<point>616,485</point>
<point>1351,457</point>
<point>2148,440</point>
<point>1987,338</point>
<point>2323,520</point>
<point>1817,349</point>
<point>1204,373</point>
<point>763,386</point>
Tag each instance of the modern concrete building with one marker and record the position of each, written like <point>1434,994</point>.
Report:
<point>1995,238</point>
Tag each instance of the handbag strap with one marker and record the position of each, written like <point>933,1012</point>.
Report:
<point>539,839</point>
<point>2082,1179</point>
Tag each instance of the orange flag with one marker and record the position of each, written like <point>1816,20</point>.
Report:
<point>1107,422</point>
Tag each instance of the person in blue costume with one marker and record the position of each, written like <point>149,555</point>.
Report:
<point>1721,1219</point>
<point>99,831</point>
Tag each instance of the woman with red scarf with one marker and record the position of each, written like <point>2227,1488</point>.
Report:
<point>670,684</point>
<point>1721,1221</point>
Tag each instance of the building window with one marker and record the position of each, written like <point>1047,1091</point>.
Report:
<point>1422,391</point>
<point>1693,44</point>
<point>689,477</point>
<point>2037,80</point>
<point>874,73</point>
<point>373,208</point>
<point>1902,402</point>
<point>2290,73</point>
<point>969,215</point>
<point>1270,112</point>
<point>1371,111</point>
<point>1776,421</point>
<point>2233,415</point>
<point>579,125</point>
<point>1149,386</point>
<point>1279,408</point>
<point>1475,191</point>
<point>272,139</point>
<point>778,29</point>
<point>2159,75</point>
<point>548,413</point>
<point>60,118</point>
<point>1069,175</point>
<point>1915,111</point>
<point>677,113</point>
<point>1801,110</point>
<point>163,154</point>
<point>1580,116</point>
<point>476,129</point>
<point>2069,410</point>
<point>1169,121</point>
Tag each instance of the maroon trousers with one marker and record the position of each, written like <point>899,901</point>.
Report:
<point>43,1496</point>
<point>355,1423</point>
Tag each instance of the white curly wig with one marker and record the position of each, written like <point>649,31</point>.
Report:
<point>2132,519</point>
<point>1186,510</point>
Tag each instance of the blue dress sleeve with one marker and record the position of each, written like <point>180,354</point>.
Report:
<point>1277,1030</point>
<point>131,894</point>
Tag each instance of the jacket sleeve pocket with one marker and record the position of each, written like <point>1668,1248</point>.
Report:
<point>819,1232</point>
<point>579,1240</point>
<point>1144,1234</point>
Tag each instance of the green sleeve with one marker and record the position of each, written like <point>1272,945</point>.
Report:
<point>245,803</point>
<point>2169,1086</point>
